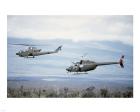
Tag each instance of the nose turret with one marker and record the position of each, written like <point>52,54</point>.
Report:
<point>17,53</point>
<point>68,69</point>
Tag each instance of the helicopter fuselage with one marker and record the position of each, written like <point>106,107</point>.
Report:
<point>82,68</point>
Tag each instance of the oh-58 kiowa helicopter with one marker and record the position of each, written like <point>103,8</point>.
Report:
<point>33,51</point>
<point>87,65</point>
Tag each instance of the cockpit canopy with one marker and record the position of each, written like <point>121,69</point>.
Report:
<point>32,48</point>
<point>84,62</point>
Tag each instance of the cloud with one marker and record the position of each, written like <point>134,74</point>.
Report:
<point>77,28</point>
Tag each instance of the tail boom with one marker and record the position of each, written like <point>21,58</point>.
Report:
<point>107,63</point>
<point>121,62</point>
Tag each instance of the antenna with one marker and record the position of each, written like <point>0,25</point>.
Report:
<point>84,55</point>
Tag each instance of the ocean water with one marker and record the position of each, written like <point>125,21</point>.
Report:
<point>50,69</point>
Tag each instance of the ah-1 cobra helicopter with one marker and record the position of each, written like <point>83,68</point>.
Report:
<point>33,51</point>
<point>88,65</point>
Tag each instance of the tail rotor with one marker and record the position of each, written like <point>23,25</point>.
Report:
<point>121,61</point>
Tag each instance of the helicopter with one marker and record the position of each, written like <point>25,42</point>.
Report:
<point>83,66</point>
<point>33,51</point>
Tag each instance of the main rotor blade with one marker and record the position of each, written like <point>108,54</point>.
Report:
<point>27,44</point>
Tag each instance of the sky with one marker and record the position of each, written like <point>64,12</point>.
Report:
<point>71,52</point>
<point>76,28</point>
